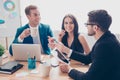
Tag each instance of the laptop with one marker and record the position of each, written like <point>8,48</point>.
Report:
<point>21,52</point>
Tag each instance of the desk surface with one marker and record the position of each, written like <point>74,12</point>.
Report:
<point>55,73</point>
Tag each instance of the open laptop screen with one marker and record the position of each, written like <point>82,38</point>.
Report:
<point>21,52</point>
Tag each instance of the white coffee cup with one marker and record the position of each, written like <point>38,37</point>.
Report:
<point>54,62</point>
<point>45,70</point>
<point>33,32</point>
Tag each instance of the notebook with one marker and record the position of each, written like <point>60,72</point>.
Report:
<point>21,52</point>
<point>10,67</point>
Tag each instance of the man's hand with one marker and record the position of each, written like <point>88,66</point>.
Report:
<point>62,48</point>
<point>65,68</point>
<point>58,45</point>
<point>51,43</point>
<point>25,33</point>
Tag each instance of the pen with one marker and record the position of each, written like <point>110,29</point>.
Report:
<point>55,40</point>
<point>34,57</point>
<point>29,55</point>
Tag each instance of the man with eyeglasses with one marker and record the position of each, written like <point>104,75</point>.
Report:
<point>26,33</point>
<point>105,54</point>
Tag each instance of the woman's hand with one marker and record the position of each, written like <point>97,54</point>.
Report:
<point>60,35</point>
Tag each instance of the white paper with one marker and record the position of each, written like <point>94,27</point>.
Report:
<point>34,71</point>
<point>22,74</point>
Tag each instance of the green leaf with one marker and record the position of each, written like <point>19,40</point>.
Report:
<point>2,49</point>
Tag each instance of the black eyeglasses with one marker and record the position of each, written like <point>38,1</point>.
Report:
<point>91,24</point>
<point>86,24</point>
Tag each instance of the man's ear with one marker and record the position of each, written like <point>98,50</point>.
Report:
<point>28,16</point>
<point>95,27</point>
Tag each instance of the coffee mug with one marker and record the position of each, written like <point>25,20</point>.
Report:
<point>33,32</point>
<point>54,62</point>
<point>45,70</point>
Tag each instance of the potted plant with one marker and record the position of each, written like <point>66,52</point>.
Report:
<point>2,49</point>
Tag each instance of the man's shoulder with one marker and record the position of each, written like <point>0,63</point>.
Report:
<point>44,25</point>
<point>108,43</point>
<point>24,27</point>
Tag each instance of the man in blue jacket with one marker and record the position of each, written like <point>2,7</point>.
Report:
<point>23,34</point>
<point>105,54</point>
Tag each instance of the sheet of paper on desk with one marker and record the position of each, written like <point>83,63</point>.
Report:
<point>34,71</point>
<point>59,56</point>
<point>22,74</point>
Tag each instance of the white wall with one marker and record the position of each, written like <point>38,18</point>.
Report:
<point>10,12</point>
<point>53,11</point>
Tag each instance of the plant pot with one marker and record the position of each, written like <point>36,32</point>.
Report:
<point>0,60</point>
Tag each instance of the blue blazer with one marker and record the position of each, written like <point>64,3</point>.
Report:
<point>44,32</point>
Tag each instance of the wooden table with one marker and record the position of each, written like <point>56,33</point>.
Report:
<point>55,73</point>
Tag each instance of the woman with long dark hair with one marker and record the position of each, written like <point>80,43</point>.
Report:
<point>70,37</point>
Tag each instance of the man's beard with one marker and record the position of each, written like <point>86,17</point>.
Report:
<point>91,34</point>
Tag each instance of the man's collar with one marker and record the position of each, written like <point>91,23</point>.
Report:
<point>33,27</point>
